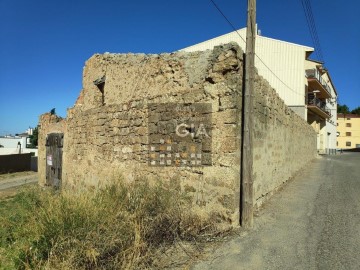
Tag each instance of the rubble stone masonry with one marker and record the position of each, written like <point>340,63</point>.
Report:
<point>111,132</point>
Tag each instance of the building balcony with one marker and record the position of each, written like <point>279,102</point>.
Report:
<point>318,106</point>
<point>316,82</point>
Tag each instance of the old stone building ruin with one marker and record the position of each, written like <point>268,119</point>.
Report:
<point>174,118</point>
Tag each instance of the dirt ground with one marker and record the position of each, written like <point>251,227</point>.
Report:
<point>313,222</point>
<point>7,176</point>
<point>11,182</point>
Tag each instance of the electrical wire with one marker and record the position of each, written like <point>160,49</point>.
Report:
<point>229,22</point>
<point>233,27</point>
<point>318,46</point>
<point>312,28</point>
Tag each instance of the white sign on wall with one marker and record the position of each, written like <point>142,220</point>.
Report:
<point>49,160</point>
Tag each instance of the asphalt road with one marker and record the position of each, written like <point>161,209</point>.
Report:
<point>313,223</point>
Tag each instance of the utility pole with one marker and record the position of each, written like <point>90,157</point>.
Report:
<point>246,216</point>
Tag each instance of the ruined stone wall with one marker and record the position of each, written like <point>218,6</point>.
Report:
<point>111,131</point>
<point>283,142</point>
<point>110,135</point>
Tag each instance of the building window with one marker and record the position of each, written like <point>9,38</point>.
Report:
<point>337,143</point>
<point>348,133</point>
<point>348,143</point>
<point>348,118</point>
<point>337,124</point>
<point>348,124</point>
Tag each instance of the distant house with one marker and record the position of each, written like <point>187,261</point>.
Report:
<point>304,85</point>
<point>348,129</point>
<point>12,145</point>
<point>18,144</point>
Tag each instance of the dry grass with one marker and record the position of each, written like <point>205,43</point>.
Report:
<point>116,227</point>
<point>8,193</point>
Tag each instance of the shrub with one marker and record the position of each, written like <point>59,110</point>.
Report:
<point>116,227</point>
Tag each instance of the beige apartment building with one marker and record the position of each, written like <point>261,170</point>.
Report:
<point>304,84</point>
<point>321,100</point>
<point>348,131</point>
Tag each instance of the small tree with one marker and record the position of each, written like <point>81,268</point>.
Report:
<point>356,111</point>
<point>52,111</point>
<point>343,109</point>
<point>34,137</point>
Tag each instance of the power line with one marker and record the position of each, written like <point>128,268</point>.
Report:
<point>233,27</point>
<point>315,31</point>
<point>295,92</point>
<point>312,28</point>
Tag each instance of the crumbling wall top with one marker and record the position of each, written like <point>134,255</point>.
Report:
<point>118,78</point>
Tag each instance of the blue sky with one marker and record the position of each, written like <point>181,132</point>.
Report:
<point>44,44</point>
